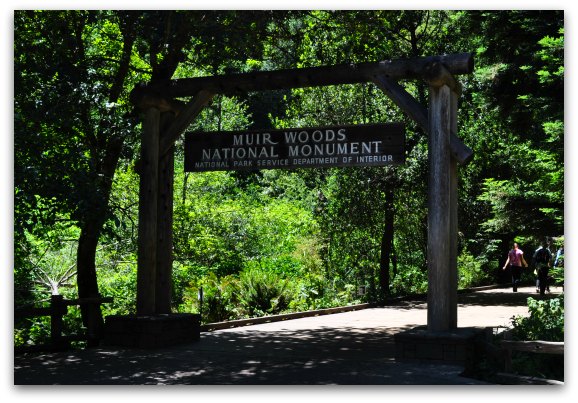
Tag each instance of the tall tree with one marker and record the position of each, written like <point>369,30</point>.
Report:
<point>74,71</point>
<point>71,68</point>
<point>515,124</point>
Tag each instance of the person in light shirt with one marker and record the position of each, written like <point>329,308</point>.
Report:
<point>515,262</point>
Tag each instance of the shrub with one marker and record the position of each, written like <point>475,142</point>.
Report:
<point>262,292</point>
<point>546,321</point>
<point>410,280</point>
<point>470,272</point>
<point>32,331</point>
<point>217,298</point>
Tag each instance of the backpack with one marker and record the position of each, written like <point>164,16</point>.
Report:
<point>542,256</point>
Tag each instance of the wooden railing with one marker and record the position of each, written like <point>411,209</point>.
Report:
<point>57,309</point>
<point>540,347</point>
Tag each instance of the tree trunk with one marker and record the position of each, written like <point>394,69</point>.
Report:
<point>86,277</point>
<point>90,230</point>
<point>91,225</point>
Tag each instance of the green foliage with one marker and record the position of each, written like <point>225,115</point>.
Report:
<point>526,186</point>
<point>470,271</point>
<point>120,284</point>
<point>218,299</point>
<point>33,331</point>
<point>545,323</point>
<point>261,292</point>
<point>546,320</point>
<point>52,261</point>
<point>282,265</point>
<point>223,235</point>
<point>410,282</point>
<point>557,274</point>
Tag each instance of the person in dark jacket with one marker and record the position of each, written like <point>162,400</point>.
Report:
<point>541,259</point>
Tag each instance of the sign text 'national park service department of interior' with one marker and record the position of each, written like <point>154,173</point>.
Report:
<point>321,147</point>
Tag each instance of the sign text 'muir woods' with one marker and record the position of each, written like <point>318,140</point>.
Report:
<point>343,146</point>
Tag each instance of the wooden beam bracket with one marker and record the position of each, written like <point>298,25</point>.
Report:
<point>184,119</point>
<point>419,113</point>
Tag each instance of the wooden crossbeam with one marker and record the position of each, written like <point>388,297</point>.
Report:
<point>230,84</point>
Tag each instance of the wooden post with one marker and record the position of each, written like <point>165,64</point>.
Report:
<point>446,151</point>
<point>165,224</point>
<point>508,360</point>
<point>57,310</point>
<point>440,234</point>
<point>453,257</point>
<point>155,244</point>
<point>147,226</point>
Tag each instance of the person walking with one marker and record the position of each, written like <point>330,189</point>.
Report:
<point>559,260</point>
<point>541,259</point>
<point>515,262</point>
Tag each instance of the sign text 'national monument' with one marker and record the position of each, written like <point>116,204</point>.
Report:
<point>335,146</point>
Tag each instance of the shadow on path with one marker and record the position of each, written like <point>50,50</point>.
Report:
<point>336,351</point>
<point>242,356</point>
<point>345,356</point>
<point>503,297</point>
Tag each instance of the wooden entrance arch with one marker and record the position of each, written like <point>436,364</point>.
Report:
<point>166,118</point>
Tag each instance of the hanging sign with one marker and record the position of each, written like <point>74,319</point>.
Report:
<point>317,147</point>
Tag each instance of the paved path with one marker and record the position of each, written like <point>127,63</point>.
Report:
<point>347,348</point>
